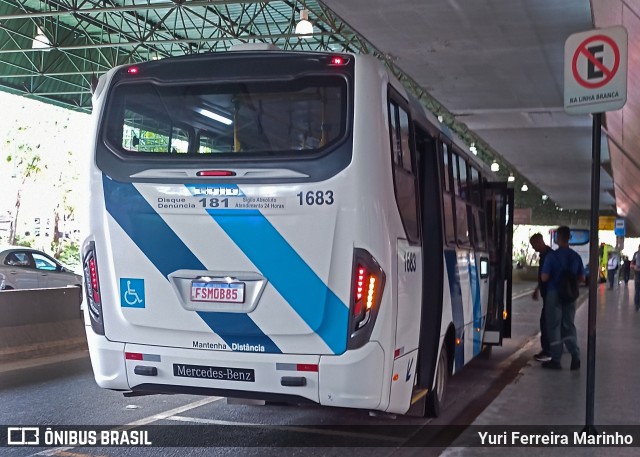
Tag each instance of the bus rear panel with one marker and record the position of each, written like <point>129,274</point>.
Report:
<point>222,257</point>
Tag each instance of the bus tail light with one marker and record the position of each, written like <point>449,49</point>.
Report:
<point>366,295</point>
<point>338,61</point>
<point>92,287</point>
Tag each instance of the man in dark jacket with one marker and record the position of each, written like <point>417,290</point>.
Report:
<point>538,244</point>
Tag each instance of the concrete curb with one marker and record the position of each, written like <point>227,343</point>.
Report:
<point>38,323</point>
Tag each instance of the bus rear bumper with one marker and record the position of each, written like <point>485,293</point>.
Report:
<point>225,373</point>
<point>352,380</point>
<point>107,359</point>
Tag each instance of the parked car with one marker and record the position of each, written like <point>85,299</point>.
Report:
<point>27,268</point>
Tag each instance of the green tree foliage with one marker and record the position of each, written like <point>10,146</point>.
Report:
<point>67,252</point>
<point>25,160</point>
<point>39,150</point>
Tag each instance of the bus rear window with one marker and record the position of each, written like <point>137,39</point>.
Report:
<point>301,116</point>
<point>579,237</point>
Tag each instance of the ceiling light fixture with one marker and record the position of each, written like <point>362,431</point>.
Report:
<point>524,188</point>
<point>214,116</point>
<point>304,27</point>
<point>473,149</point>
<point>545,197</point>
<point>511,178</point>
<point>41,41</point>
<point>495,166</point>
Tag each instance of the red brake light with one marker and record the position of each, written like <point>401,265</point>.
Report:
<point>360,282</point>
<point>215,173</point>
<point>338,61</point>
<point>133,70</point>
<point>94,280</point>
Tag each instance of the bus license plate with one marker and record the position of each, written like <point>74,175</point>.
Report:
<point>217,292</point>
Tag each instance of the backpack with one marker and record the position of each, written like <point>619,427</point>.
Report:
<point>568,286</point>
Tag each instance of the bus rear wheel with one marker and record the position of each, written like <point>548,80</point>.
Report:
<point>435,398</point>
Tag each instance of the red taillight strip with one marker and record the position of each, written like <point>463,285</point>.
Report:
<point>215,173</point>
<point>307,367</point>
<point>94,280</point>
<point>360,282</point>
<point>133,356</point>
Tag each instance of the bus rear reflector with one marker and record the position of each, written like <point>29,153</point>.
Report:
<point>133,356</point>
<point>311,367</point>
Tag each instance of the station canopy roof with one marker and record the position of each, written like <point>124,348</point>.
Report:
<point>495,64</point>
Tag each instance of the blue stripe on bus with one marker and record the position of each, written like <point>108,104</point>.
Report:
<point>475,300</point>
<point>168,253</point>
<point>289,274</point>
<point>457,310</point>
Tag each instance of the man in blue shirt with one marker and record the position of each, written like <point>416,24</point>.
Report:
<point>560,316</point>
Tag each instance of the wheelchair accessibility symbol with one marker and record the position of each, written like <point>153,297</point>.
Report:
<point>132,293</point>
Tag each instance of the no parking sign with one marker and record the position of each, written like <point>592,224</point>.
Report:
<point>595,71</point>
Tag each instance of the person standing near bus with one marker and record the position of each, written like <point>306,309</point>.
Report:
<point>612,268</point>
<point>626,269</point>
<point>635,263</point>
<point>538,244</point>
<point>561,316</point>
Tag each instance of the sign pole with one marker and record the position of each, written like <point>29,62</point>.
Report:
<point>595,81</point>
<point>593,273</point>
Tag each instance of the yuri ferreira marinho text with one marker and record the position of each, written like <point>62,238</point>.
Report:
<point>551,438</point>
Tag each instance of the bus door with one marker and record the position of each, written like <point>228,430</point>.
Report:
<point>432,245</point>
<point>499,207</point>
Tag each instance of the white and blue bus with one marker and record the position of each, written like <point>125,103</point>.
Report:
<point>287,226</point>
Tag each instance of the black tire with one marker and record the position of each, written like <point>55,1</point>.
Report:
<point>435,398</point>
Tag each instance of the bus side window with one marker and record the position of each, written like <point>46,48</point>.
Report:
<point>456,175</point>
<point>396,147</point>
<point>462,223</point>
<point>462,182</point>
<point>477,211</point>
<point>405,141</point>
<point>447,198</point>
<point>476,188</point>
<point>461,210</point>
<point>446,172</point>
<point>402,151</point>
